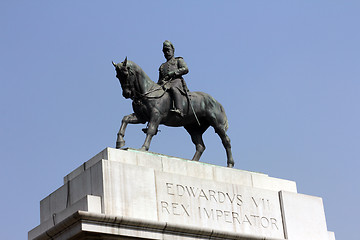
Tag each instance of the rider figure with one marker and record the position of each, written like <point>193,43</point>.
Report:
<point>170,75</point>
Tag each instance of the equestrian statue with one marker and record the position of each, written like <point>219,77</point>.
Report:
<point>169,102</point>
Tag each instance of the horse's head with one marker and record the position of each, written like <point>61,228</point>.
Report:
<point>126,77</point>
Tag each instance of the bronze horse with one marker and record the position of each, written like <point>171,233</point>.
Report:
<point>152,104</point>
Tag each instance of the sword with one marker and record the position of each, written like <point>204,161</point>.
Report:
<point>192,108</point>
<point>166,79</point>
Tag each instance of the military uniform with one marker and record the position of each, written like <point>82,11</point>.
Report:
<point>176,67</point>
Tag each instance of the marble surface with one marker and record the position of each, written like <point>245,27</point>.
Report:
<point>155,188</point>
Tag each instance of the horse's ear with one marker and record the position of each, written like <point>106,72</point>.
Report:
<point>114,64</point>
<point>125,62</point>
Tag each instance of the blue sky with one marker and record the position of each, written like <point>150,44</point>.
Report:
<point>286,72</point>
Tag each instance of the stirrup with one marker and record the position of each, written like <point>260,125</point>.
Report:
<point>178,111</point>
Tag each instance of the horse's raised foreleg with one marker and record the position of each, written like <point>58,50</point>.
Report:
<point>151,131</point>
<point>132,118</point>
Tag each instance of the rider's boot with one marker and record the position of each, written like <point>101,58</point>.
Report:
<point>176,96</point>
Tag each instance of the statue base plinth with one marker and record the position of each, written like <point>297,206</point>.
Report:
<point>130,194</point>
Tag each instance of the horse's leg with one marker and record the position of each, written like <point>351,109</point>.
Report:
<point>132,118</point>
<point>151,131</point>
<point>226,142</point>
<point>199,145</point>
<point>196,137</point>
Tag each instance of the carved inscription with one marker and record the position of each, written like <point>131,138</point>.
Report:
<point>230,207</point>
<point>208,195</point>
<point>175,208</point>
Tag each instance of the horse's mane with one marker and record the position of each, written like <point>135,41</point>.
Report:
<point>149,84</point>
<point>138,69</point>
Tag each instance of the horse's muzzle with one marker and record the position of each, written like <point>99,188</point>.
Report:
<point>127,93</point>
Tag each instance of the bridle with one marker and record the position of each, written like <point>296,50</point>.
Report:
<point>131,80</point>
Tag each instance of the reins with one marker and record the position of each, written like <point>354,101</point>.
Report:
<point>151,91</point>
<point>140,95</point>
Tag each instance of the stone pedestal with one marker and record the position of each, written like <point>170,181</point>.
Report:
<point>129,194</point>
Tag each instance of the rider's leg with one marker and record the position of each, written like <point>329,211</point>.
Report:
<point>177,98</point>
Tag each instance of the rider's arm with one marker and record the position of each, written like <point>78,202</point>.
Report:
<point>161,76</point>
<point>182,67</point>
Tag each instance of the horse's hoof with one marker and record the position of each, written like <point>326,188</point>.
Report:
<point>120,144</point>
<point>230,165</point>
<point>143,149</point>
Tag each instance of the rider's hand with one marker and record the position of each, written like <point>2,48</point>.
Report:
<point>166,87</point>
<point>171,74</point>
